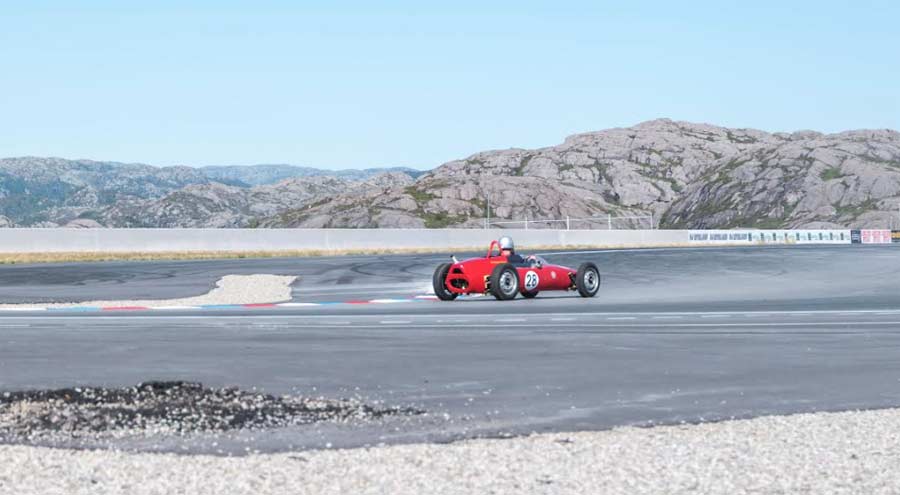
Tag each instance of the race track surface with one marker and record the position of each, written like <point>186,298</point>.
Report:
<point>674,335</point>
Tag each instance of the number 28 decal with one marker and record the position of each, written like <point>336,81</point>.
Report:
<point>531,280</point>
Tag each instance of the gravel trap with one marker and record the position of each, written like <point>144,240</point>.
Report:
<point>170,408</point>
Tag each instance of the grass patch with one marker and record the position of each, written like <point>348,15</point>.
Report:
<point>831,173</point>
<point>418,195</point>
<point>441,219</point>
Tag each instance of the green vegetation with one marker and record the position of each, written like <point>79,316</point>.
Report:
<point>740,139</point>
<point>831,173</point>
<point>519,171</point>
<point>769,223</point>
<point>440,220</point>
<point>419,195</point>
<point>854,211</point>
<point>724,172</point>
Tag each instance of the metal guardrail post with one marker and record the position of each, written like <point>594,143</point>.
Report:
<point>567,222</point>
<point>608,221</point>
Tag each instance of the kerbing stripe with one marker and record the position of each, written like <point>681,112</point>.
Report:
<point>221,306</point>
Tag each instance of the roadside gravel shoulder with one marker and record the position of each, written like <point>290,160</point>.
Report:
<point>849,452</point>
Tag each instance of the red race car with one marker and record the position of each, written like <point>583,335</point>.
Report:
<point>503,273</point>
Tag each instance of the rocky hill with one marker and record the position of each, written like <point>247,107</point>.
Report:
<point>257,175</point>
<point>49,192</point>
<point>219,205</point>
<point>41,191</point>
<point>804,179</point>
<point>685,174</point>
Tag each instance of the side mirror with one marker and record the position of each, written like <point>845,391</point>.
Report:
<point>453,257</point>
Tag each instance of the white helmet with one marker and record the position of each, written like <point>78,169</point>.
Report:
<point>506,242</point>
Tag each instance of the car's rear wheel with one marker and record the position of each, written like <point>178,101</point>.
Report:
<point>504,282</point>
<point>587,280</point>
<point>530,295</point>
<point>439,282</point>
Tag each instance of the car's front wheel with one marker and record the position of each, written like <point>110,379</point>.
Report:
<point>439,282</point>
<point>587,280</point>
<point>504,282</point>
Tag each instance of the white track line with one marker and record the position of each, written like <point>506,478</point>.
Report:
<point>456,318</point>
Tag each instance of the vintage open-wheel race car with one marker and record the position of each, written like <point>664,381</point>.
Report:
<point>506,275</point>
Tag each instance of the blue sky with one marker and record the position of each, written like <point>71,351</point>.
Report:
<point>357,84</point>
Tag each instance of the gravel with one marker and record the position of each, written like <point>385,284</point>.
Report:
<point>852,452</point>
<point>230,289</point>
<point>164,409</point>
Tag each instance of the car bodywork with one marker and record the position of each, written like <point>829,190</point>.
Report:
<point>532,275</point>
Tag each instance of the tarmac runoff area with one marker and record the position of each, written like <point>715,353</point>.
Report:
<point>675,336</point>
<point>229,290</point>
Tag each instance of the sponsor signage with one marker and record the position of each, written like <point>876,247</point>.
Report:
<point>895,236</point>
<point>856,236</point>
<point>875,236</point>
<point>773,236</point>
<point>718,236</point>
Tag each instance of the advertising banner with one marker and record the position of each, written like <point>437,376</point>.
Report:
<point>718,236</point>
<point>875,236</point>
<point>895,236</point>
<point>770,236</point>
<point>856,236</point>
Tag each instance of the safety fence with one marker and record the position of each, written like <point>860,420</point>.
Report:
<point>607,222</point>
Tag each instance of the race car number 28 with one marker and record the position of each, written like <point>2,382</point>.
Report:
<point>531,280</point>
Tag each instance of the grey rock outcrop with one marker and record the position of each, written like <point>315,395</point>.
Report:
<point>685,175</point>
<point>221,206</point>
<point>83,223</point>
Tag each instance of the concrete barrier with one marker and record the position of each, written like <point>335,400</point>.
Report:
<point>247,240</point>
<point>195,240</point>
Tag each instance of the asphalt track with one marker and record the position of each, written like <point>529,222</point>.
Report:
<point>675,335</point>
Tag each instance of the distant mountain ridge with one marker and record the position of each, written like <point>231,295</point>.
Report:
<point>684,174</point>
<point>46,192</point>
<point>687,175</point>
<point>258,175</point>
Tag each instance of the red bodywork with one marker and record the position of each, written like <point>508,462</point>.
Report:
<point>471,276</point>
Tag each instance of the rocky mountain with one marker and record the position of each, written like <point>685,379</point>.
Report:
<point>805,179</point>
<point>50,192</point>
<point>257,175</point>
<point>218,205</point>
<point>686,175</point>
<point>35,190</point>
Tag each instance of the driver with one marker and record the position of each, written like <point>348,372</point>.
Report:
<point>508,249</point>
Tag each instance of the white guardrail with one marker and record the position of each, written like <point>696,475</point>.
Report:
<point>188,240</point>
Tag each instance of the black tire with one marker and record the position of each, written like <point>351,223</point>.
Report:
<point>439,282</point>
<point>530,295</point>
<point>504,282</point>
<point>587,280</point>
